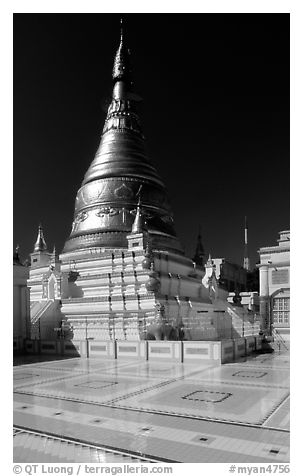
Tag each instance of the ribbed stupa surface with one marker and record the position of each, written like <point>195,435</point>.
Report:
<point>121,172</point>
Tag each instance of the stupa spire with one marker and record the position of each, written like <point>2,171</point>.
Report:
<point>17,255</point>
<point>40,244</point>
<point>121,68</point>
<point>108,195</point>
<point>138,225</point>
<point>55,256</point>
<point>209,261</point>
<point>200,253</point>
<point>246,263</point>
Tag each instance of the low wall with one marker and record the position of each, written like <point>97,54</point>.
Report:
<point>50,347</point>
<point>165,350</point>
<point>259,342</point>
<point>197,351</point>
<point>76,348</point>
<point>240,347</point>
<point>131,349</point>
<point>31,347</point>
<point>227,351</point>
<point>250,344</point>
<point>18,343</point>
<point>219,352</point>
<point>102,349</point>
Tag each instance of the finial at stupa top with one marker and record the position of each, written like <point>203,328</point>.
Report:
<point>121,29</point>
<point>121,69</point>
<point>40,244</point>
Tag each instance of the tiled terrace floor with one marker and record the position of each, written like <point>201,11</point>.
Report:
<point>88,410</point>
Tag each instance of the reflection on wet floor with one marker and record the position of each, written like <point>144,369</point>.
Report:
<point>91,410</point>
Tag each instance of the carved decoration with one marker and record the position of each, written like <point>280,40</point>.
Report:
<point>160,312</point>
<point>109,190</point>
<point>148,261</point>
<point>81,217</point>
<point>167,219</point>
<point>105,189</point>
<point>144,213</point>
<point>103,211</point>
<point>107,211</point>
<point>153,284</point>
<point>124,191</point>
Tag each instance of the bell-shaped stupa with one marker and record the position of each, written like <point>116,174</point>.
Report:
<point>121,171</point>
<point>122,274</point>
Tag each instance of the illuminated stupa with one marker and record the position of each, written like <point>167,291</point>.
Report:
<point>122,274</point>
<point>119,173</point>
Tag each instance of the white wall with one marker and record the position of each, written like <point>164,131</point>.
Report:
<point>21,303</point>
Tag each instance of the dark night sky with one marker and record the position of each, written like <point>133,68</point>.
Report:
<point>215,115</point>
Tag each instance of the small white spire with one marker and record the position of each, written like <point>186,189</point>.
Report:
<point>40,244</point>
<point>138,224</point>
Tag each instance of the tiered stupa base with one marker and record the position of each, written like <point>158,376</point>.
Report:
<point>110,296</point>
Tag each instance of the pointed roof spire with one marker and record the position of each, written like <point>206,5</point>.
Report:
<point>17,251</point>
<point>138,225</point>
<point>16,255</point>
<point>40,244</point>
<point>121,69</point>
<point>209,261</point>
<point>246,263</point>
<point>200,253</point>
<point>148,249</point>
<point>54,256</point>
<point>121,30</point>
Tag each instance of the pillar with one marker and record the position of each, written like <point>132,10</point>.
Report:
<point>264,299</point>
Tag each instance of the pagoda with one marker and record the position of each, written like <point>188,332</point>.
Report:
<point>122,274</point>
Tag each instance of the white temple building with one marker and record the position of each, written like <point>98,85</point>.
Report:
<point>274,270</point>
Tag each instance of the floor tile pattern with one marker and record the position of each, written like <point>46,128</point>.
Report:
<point>238,412</point>
<point>41,448</point>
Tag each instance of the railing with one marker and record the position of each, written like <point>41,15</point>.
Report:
<point>279,339</point>
<point>42,308</point>
<point>242,322</point>
<point>34,307</point>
